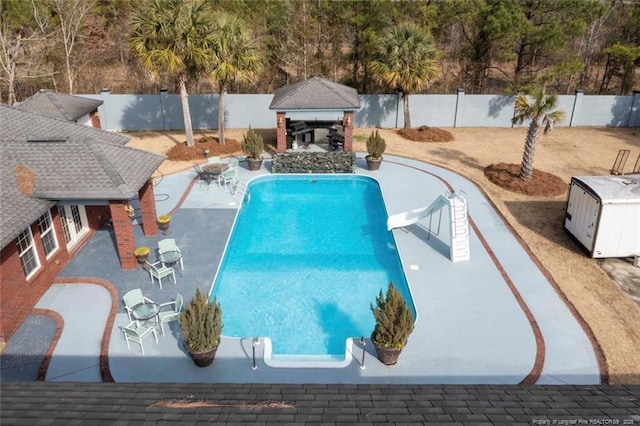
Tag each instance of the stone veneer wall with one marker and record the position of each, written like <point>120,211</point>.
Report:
<point>314,162</point>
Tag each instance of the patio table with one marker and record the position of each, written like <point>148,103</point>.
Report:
<point>145,312</point>
<point>211,171</point>
<point>170,256</point>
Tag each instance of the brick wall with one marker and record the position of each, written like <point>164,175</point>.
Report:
<point>19,296</point>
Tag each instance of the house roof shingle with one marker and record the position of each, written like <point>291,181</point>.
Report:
<point>315,93</point>
<point>17,210</point>
<point>68,161</point>
<point>59,105</point>
<point>190,403</point>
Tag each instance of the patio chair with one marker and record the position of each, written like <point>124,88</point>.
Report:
<point>158,271</point>
<point>231,174</point>
<point>137,333</point>
<point>169,244</point>
<point>214,160</point>
<point>172,315</point>
<point>132,299</point>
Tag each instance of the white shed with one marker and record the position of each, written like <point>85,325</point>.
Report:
<point>603,214</point>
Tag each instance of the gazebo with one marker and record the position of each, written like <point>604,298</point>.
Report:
<point>318,102</point>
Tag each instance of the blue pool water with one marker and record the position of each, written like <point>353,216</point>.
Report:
<point>307,256</point>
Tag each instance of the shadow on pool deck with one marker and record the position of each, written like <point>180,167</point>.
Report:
<point>492,319</point>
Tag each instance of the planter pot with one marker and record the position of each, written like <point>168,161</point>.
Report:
<point>373,164</point>
<point>164,227</point>
<point>254,165</point>
<point>202,359</point>
<point>142,258</point>
<point>387,356</point>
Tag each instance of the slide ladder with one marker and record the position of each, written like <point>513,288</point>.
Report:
<point>458,220</point>
<point>459,228</point>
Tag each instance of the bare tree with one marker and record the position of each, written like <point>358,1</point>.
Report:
<point>19,41</point>
<point>12,48</point>
<point>67,18</point>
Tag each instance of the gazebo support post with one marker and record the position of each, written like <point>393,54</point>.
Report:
<point>347,125</point>
<point>281,132</point>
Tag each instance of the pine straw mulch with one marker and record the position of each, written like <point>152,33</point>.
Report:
<point>542,184</point>
<point>181,152</point>
<point>426,134</point>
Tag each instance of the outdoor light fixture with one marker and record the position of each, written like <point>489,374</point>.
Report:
<point>347,120</point>
<point>280,120</point>
<point>206,152</point>
<point>130,210</point>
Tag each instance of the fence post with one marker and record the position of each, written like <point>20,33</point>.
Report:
<point>103,109</point>
<point>164,95</point>
<point>459,104</point>
<point>634,114</point>
<point>577,107</point>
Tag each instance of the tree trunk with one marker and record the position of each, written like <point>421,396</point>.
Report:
<point>186,112</point>
<point>533,134</point>
<point>221,116</point>
<point>405,107</point>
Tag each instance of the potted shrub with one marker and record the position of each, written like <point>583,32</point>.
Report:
<point>163,223</point>
<point>201,326</point>
<point>376,146</point>
<point>253,146</point>
<point>394,323</point>
<point>142,254</point>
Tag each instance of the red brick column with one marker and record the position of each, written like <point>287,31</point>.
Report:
<point>95,119</point>
<point>148,210</point>
<point>123,230</point>
<point>281,131</point>
<point>347,125</point>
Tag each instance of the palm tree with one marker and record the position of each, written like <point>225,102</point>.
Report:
<point>405,61</point>
<point>542,112</point>
<point>172,36</point>
<point>236,59</point>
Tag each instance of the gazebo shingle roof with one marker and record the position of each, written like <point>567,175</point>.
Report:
<point>59,105</point>
<point>60,160</point>
<point>315,93</point>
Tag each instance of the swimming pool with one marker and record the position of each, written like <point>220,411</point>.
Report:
<point>306,257</point>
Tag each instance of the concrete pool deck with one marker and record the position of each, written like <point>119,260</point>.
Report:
<point>495,319</point>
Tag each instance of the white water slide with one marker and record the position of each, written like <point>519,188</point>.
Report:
<point>458,222</point>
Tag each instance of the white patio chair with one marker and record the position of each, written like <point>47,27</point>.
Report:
<point>137,333</point>
<point>133,298</point>
<point>158,271</point>
<point>214,160</point>
<point>169,244</point>
<point>172,315</point>
<point>231,174</point>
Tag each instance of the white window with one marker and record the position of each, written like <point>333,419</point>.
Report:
<point>47,234</point>
<point>28,253</point>
<point>74,223</point>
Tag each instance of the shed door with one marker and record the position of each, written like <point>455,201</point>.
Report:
<point>582,216</point>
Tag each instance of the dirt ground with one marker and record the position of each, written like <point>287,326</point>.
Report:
<point>612,316</point>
